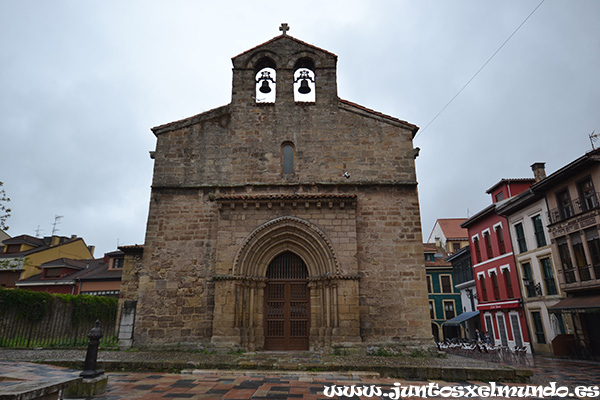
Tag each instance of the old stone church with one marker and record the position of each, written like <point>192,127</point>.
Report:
<point>286,220</point>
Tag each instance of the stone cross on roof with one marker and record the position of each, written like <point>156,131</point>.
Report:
<point>284,28</point>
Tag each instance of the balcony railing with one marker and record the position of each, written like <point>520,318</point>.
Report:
<point>573,208</point>
<point>570,276</point>
<point>584,274</point>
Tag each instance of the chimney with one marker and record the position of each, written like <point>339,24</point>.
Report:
<point>539,171</point>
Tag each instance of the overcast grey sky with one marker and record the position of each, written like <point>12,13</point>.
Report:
<point>82,83</point>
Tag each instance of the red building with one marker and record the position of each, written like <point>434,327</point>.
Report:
<point>494,269</point>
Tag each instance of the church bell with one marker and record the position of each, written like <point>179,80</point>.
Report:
<point>304,88</point>
<point>304,77</point>
<point>265,77</point>
<point>264,88</point>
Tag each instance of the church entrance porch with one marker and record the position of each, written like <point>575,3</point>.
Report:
<point>285,292</point>
<point>287,304</point>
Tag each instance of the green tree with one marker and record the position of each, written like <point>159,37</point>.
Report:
<point>4,210</point>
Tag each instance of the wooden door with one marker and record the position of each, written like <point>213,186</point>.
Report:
<point>287,304</point>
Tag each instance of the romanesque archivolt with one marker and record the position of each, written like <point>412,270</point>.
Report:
<point>281,234</point>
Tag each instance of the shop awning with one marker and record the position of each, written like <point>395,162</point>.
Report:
<point>461,318</point>
<point>577,304</point>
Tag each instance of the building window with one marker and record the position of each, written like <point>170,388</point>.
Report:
<point>528,276</point>
<point>538,229</point>
<point>500,239</point>
<point>431,310</point>
<point>587,195</point>
<point>488,244</point>
<point>489,326</point>
<point>495,285</point>
<point>508,283</point>
<point>565,260</point>
<point>477,249</point>
<point>582,266</point>
<point>52,273</point>
<point>446,283</point>
<point>455,247</point>
<point>549,281</point>
<point>287,158</point>
<point>594,247</point>
<point>449,310</point>
<point>117,263</point>
<point>429,286</point>
<point>565,207</point>
<point>463,271</point>
<point>516,328</point>
<point>484,295</point>
<point>502,329</point>
<point>520,238</point>
<point>538,327</point>
<point>499,196</point>
<point>12,248</point>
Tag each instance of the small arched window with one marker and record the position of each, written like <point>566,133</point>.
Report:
<point>304,81</point>
<point>266,82</point>
<point>287,158</point>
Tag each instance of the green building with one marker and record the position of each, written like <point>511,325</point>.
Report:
<point>444,299</point>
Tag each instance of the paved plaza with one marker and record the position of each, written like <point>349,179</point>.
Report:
<point>213,384</point>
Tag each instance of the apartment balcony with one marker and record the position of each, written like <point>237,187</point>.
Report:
<point>574,208</point>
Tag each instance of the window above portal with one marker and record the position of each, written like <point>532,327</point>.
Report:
<point>287,158</point>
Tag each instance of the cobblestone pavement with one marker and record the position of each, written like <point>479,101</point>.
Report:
<point>212,384</point>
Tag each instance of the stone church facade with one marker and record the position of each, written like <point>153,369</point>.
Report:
<point>286,220</point>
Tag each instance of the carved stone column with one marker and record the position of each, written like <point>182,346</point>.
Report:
<point>258,327</point>
<point>225,333</point>
<point>316,317</point>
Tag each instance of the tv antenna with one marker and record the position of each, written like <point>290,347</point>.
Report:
<point>57,219</point>
<point>593,137</point>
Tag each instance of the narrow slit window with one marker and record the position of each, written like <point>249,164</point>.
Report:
<point>287,159</point>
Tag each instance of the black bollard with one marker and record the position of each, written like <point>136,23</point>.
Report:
<point>89,367</point>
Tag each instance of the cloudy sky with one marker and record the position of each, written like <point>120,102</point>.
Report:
<point>82,83</point>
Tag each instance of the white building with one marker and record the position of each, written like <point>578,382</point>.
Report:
<point>527,216</point>
<point>449,235</point>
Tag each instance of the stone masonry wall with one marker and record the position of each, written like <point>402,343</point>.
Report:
<point>393,293</point>
<point>175,300</point>
<point>327,145</point>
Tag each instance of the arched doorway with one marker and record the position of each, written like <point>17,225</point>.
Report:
<point>287,305</point>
